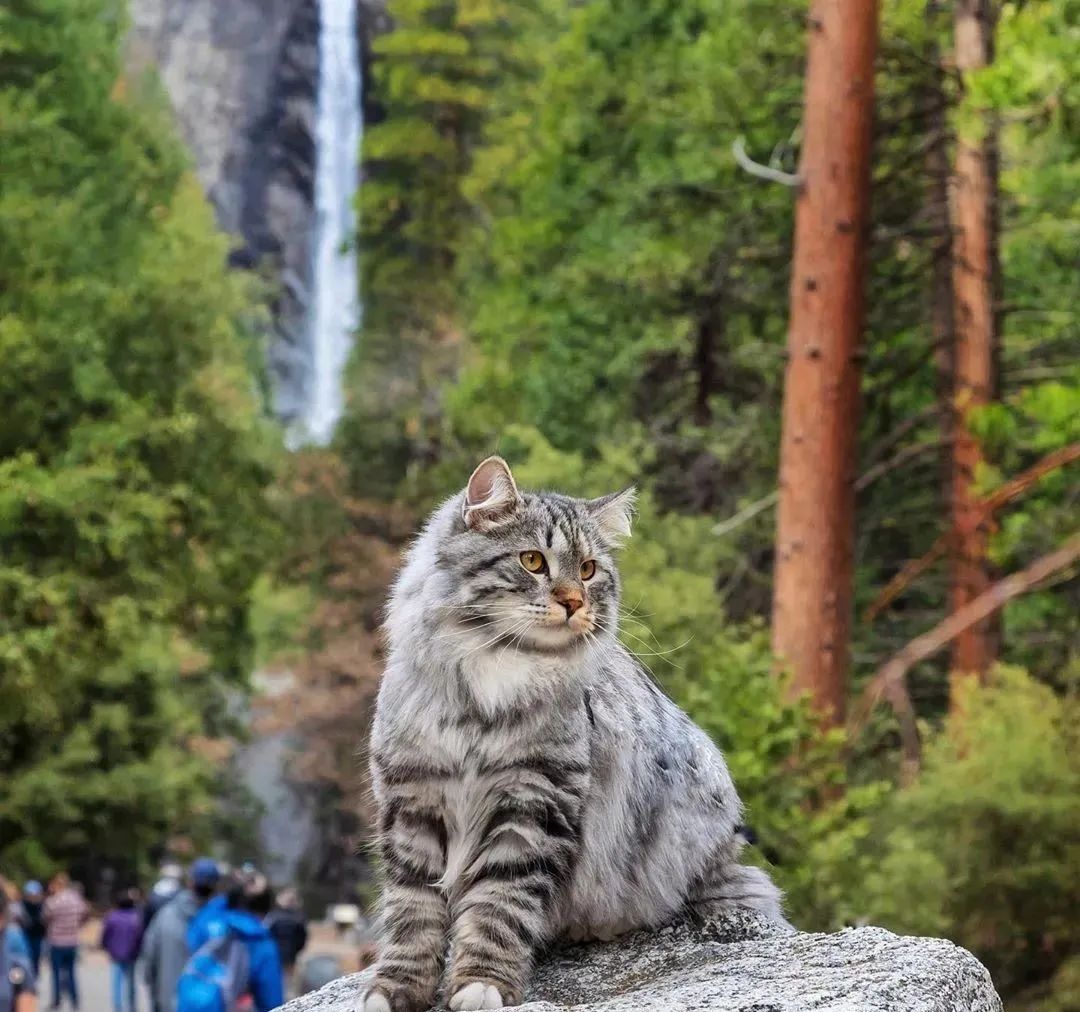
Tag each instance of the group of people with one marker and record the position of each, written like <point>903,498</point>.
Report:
<point>215,943</point>
<point>32,923</point>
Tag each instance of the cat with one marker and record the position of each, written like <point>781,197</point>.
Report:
<point>531,779</point>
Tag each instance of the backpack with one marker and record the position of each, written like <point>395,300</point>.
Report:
<point>215,977</point>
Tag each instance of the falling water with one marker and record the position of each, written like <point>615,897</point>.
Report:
<point>335,308</point>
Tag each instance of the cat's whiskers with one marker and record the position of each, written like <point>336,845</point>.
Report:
<point>494,639</point>
<point>651,653</point>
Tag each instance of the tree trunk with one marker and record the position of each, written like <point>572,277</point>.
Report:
<point>973,215</point>
<point>815,527</point>
<point>938,173</point>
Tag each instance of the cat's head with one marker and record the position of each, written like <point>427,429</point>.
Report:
<point>535,570</point>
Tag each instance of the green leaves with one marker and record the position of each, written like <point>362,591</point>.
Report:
<point>134,458</point>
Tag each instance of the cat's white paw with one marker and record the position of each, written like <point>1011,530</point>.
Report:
<point>474,996</point>
<point>376,1002</point>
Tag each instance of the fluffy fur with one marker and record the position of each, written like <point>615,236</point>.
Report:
<point>532,780</point>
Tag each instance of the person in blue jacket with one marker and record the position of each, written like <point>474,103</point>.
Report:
<point>242,911</point>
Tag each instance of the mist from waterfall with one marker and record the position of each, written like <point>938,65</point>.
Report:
<point>287,829</point>
<point>335,306</point>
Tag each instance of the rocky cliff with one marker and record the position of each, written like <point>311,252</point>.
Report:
<point>741,965</point>
<point>241,76</point>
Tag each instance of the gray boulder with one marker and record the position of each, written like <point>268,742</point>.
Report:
<point>740,964</point>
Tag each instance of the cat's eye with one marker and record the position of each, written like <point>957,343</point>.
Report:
<point>534,562</point>
<point>588,570</point>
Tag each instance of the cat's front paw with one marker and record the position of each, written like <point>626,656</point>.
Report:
<point>476,995</point>
<point>386,997</point>
<point>376,1001</point>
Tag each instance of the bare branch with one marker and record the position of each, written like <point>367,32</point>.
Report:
<point>889,682</point>
<point>895,462</point>
<point>1004,494</point>
<point>746,513</point>
<point>747,164</point>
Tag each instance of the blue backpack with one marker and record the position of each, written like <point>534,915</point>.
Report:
<point>216,976</point>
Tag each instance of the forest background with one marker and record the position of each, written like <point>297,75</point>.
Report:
<point>569,256</point>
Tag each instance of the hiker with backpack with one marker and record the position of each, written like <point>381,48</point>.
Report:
<point>233,956</point>
<point>164,947</point>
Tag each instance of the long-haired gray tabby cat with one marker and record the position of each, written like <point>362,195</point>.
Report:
<point>532,781</point>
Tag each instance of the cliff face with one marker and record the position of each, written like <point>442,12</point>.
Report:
<point>242,78</point>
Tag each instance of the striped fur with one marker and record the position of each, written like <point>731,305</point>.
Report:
<point>532,780</point>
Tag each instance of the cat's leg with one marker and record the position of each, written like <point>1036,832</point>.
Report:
<point>506,910</point>
<point>415,912</point>
<point>726,884</point>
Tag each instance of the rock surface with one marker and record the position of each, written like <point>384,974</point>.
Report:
<point>741,965</point>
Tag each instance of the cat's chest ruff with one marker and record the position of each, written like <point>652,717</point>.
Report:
<point>497,680</point>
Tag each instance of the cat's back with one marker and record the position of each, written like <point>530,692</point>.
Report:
<point>635,718</point>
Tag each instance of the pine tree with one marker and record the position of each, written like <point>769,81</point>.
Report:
<point>815,528</point>
<point>134,458</point>
<point>974,225</point>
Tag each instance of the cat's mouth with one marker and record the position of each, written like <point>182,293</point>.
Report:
<point>557,628</point>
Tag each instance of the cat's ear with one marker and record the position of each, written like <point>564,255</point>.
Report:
<point>491,497</point>
<point>612,514</point>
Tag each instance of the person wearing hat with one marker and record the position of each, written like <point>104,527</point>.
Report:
<point>31,918</point>
<point>17,991</point>
<point>164,947</point>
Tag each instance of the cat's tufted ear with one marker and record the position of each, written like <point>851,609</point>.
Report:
<point>613,513</point>
<point>491,497</point>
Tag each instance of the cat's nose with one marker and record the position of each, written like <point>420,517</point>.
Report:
<point>570,598</point>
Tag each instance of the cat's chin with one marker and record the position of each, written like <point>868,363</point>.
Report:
<point>561,638</point>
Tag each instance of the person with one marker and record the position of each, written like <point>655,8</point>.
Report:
<point>241,918</point>
<point>164,947</point>
<point>288,930</point>
<point>65,913</point>
<point>11,935</point>
<point>168,885</point>
<point>17,989</point>
<point>31,918</point>
<point>121,935</point>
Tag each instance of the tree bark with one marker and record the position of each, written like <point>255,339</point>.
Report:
<point>815,527</point>
<point>973,215</point>
<point>938,172</point>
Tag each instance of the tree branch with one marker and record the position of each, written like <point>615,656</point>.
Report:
<point>889,682</point>
<point>1002,495</point>
<point>746,513</point>
<point>897,460</point>
<point>747,164</point>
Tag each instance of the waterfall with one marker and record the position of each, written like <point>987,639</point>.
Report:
<point>335,304</point>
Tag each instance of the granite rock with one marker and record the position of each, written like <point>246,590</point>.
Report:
<point>740,964</point>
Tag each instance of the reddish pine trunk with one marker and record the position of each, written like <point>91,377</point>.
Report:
<point>973,319</point>
<point>815,527</point>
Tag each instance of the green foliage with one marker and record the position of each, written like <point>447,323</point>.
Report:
<point>437,75</point>
<point>985,844</point>
<point>563,263</point>
<point>1034,88</point>
<point>134,462</point>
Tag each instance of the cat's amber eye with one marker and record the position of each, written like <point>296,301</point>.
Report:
<point>533,561</point>
<point>588,570</point>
